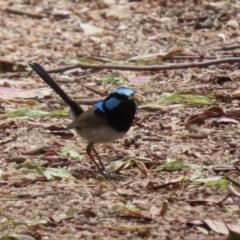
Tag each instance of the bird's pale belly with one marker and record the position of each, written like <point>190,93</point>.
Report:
<point>99,135</point>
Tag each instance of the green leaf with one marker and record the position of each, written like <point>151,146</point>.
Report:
<point>9,237</point>
<point>113,79</point>
<point>123,164</point>
<point>27,166</point>
<point>175,165</point>
<point>20,68</point>
<point>32,113</point>
<point>221,184</point>
<point>186,98</point>
<point>124,206</point>
<point>95,60</point>
<point>49,173</point>
<point>58,218</point>
<point>157,58</point>
<point>39,170</point>
<point>71,154</point>
<point>216,182</point>
<point>7,66</point>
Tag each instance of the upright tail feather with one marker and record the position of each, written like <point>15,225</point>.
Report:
<point>76,109</point>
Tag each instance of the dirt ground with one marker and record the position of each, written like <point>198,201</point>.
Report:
<point>191,197</point>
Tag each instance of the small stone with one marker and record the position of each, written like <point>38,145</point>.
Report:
<point>232,144</point>
<point>232,150</point>
<point>233,24</point>
<point>127,142</point>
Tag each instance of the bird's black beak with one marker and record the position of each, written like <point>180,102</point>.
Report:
<point>136,99</point>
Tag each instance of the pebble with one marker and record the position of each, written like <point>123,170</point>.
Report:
<point>233,24</point>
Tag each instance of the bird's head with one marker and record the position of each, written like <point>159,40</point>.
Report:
<point>118,96</point>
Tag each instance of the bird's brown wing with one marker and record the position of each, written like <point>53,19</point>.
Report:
<point>88,119</point>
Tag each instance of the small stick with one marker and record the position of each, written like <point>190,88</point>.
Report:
<point>19,11</point>
<point>148,68</point>
<point>227,48</point>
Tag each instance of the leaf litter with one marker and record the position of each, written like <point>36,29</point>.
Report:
<point>178,160</point>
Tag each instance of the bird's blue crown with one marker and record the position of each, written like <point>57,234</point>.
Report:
<point>114,99</point>
<point>124,91</point>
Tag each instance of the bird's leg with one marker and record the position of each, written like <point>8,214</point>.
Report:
<point>99,159</point>
<point>108,174</point>
<point>88,150</point>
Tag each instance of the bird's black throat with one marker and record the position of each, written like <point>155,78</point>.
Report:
<point>121,117</point>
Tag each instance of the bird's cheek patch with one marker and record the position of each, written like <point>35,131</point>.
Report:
<point>111,103</point>
<point>99,106</point>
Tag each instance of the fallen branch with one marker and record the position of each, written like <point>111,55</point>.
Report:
<point>228,48</point>
<point>19,11</point>
<point>202,58</point>
<point>147,68</point>
<point>31,196</point>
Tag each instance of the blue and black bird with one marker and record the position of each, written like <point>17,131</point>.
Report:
<point>106,121</point>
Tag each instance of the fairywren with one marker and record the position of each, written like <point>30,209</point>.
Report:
<point>106,121</point>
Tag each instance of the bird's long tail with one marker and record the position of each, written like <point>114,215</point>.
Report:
<point>76,109</point>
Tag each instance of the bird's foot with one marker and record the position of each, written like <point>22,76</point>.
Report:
<point>111,175</point>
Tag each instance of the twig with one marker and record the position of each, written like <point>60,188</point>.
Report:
<point>153,139</point>
<point>93,90</point>
<point>196,136</point>
<point>238,169</point>
<point>147,68</point>
<point>191,57</point>
<point>19,11</point>
<point>226,48</point>
<point>30,196</point>
<point>11,75</point>
<point>224,199</point>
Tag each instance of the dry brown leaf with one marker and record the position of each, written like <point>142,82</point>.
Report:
<point>154,211</point>
<point>216,226</point>
<point>220,227</point>
<point>214,112</point>
<point>234,113</point>
<point>149,185</point>
<point>234,191</point>
<point>164,208</point>
<point>21,101</point>
<point>195,119</point>
<point>118,11</point>
<point>227,120</point>
<point>203,201</point>
<point>216,155</point>
<point>130,228</point>
<point>4,82</point>
<point>90,29</point>
<point>236,94</point>
<point>126,193</point>
<point>28,93</point>
<point>141,166</point>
